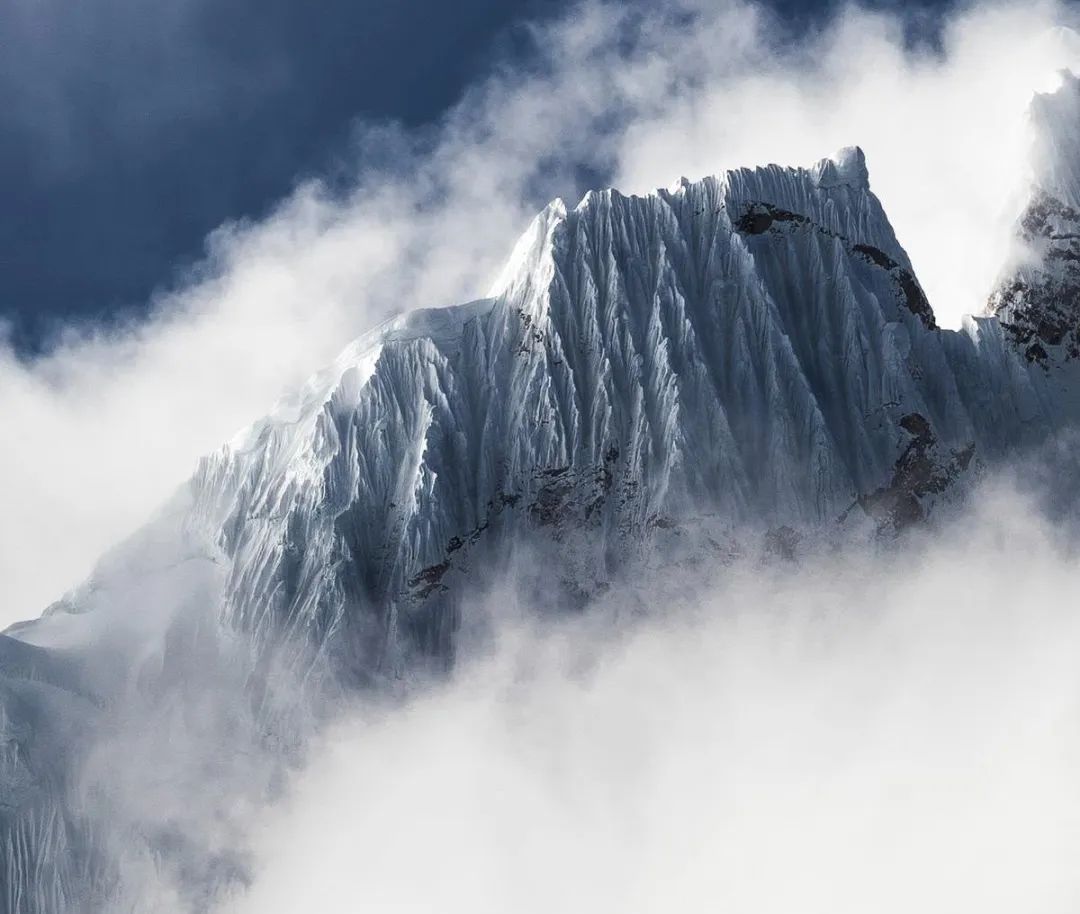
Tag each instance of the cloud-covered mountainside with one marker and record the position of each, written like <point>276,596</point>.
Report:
<point>739,368</point>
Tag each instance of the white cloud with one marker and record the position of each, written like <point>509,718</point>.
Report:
<point>943,132</point>
<point>891,733</point>
<point>95,434</point>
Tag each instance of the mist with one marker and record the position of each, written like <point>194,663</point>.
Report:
<point>887,727</point>
<point>884,722</point>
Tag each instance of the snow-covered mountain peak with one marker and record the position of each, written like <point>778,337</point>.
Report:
<point>528,253</point>
<point>1038,299</point>
<point>619,238</point>
<point>846,167</point>
<point>844,172</point>
<point>1055,131</point>
<point>713,350</point>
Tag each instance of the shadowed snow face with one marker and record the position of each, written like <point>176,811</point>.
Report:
<point>889,732</point>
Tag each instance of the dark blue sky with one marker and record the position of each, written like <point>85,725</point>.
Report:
<point>131,129</point>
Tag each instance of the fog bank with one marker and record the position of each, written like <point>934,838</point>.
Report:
<point>895,730</point>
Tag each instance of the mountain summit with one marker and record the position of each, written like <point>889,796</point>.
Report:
<point>748,349</point>
<point>1038,301</point>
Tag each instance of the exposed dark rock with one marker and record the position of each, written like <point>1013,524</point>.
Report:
<point>1039,308</point>
<point>876,256</point>
<point>914,298</point>
<point>550,505</point>
<point>661,522</point>
<point>920,471</point>
<point>760,217</point>
<point>917,425</point>
<point>504,500</point>
<point>427,579</point>
<point>554,471</point>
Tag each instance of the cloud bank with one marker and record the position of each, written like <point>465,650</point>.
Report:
<point>99,430</point>
<point>891,732</point>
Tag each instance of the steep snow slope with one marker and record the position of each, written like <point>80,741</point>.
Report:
<point>748,349</point>
<point>723,363</point>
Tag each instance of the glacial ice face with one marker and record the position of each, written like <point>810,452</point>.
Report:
<point>746,355</point>
<point>752,348</point>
